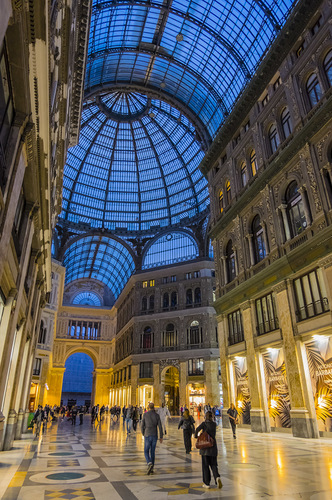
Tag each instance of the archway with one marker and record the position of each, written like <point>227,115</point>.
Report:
<point>171,382</point>
<point>77,380</point>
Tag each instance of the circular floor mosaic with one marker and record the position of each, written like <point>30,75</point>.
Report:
<point>65,477</point>
<point>62,454</point>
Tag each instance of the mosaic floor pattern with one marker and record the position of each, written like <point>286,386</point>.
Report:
<point>103,463</point>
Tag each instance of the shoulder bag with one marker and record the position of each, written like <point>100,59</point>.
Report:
<point>204,441</point>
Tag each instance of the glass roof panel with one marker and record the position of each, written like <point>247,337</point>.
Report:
<point>202,52</point>
<point>170,249</point>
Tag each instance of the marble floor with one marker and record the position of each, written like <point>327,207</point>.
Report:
<point>101,463</point>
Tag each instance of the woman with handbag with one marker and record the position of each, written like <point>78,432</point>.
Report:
<point>233,418</point>
<point>207,445</point>
<point>187,423</point>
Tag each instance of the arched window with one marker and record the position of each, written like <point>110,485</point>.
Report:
<point>253,163</point>
<point>147,338</point>
<point>295,210</point>
<point>273,138</point>
<point>313,89</point>
<point>194,334</point>
<point>151,303</point>
<point>221,201</point>
<point>244,174</point>
<point>258,240</point>
<point>165,301</point>
<point>197,296</point>
<point>144,304</point>
<point>174,299</point>
<point>327,63</point>
<point>230,261</point>
<point>286,122</point>
<point>170,337</point>
<point>189,297</point>
<point>228,192</point>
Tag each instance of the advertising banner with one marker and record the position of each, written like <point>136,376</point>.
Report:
<point>277,388</point>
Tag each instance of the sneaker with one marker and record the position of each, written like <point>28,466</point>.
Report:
<point>150,467</point>
<point>207,486</point>
<point>219,483</point>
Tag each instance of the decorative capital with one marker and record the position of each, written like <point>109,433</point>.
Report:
<point>280,287</point>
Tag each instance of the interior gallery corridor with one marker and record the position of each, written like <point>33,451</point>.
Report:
<point>103,463</point>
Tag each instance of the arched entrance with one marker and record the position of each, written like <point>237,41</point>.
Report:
<point>171,381</point>
<point>77,380</point>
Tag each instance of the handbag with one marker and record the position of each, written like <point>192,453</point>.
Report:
<point>204,441</point>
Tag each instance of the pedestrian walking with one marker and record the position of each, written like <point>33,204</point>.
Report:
<point>233,418</point>
<point>38,418</point>
<point>163,413</point>
<point>150,425</point>
<point>128,419</point>
<point>188,425</point>
<point>209,455</point>
<point>140,411</point>
<point>199,410</point>
<point>81,414</point>
<point>135,417</point>
<point>73,415</point>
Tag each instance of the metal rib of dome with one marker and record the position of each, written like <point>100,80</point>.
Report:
<point>134,173</point>
<point>198,52</point>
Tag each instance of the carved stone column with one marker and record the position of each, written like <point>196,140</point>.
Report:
<point>134,384</point>
<point>283,211</point>
<point>251,250</point>
<point>258,416</point>
<point>303,423</point>
<point>212,392</point>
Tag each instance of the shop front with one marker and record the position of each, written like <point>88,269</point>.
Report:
<point>196,397</point>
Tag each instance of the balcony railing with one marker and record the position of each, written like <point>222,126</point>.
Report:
<point>236,338</point>
<point>314,309</point>
<point>267,326</point>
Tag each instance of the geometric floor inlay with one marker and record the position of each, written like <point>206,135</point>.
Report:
<point>63,463</point>
<point>70,494</point>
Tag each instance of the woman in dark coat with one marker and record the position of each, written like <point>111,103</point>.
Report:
<point>209,455</point>
<point>187,423</point>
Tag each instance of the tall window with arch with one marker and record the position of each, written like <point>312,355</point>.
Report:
<point>286,122</point>
<point>228,192</point>
<point>194,334</point>
<point>327,64</point>
<point>244,174</point>
<point>144,304</point>
<point>258,240</point>
<point>197,296</point>
<point>295,210</point>
<point>42,333</point>
<point>189,297</point>
<point>221,201</point>
<point>174,300</point>
<point>273,138</point>
<point>165,300</point>
<point>313,89</point>
<point>230,262</point>
<point>253,162</point>
<point>170,340</point>
<point>147,339</point>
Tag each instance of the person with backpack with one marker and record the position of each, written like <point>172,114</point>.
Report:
<point>188,425</point>
<point>209,453</point>
<point>151,424</point>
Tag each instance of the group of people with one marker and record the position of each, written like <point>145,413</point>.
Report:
<point>134,414</point>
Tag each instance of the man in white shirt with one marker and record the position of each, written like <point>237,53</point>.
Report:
<point>163,413</point>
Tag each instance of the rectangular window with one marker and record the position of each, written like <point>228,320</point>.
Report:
<point>235,328</point>
<point>145,284</point>
<point>265,100</point>
<point>37,366</point>
<point>316,26</point>
<point>237,140</point>
<point>124,374</point>
<point>146,369</point>
<point>277,83</point>
<point>267,320</point>
<point>165,280</point>
<point>6,103</point>
<point>196,366</point>
<point>246,126</point>
<point>310,296</point>
<point>170,339</point>
<point>223,159</point>
<point>129,372</point>
<point>151,283</point>
<point>188,276</point>
<point>213,274</point>
<point>173,279</point>
<point>197,274</point>
<point>194,336</point>
<point>301,49</point>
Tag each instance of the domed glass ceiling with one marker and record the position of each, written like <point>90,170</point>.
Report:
<point>135,167</point>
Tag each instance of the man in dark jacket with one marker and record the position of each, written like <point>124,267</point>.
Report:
<point>232,413</point>
<point>150,424</point>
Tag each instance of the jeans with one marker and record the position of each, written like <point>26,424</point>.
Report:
<point>150,443</point>
<point>128,422</point>
<point>207,463</point>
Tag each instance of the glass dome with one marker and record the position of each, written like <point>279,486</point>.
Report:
<point>135,167</point>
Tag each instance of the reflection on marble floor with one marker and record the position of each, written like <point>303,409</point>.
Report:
<point>103,463</point>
